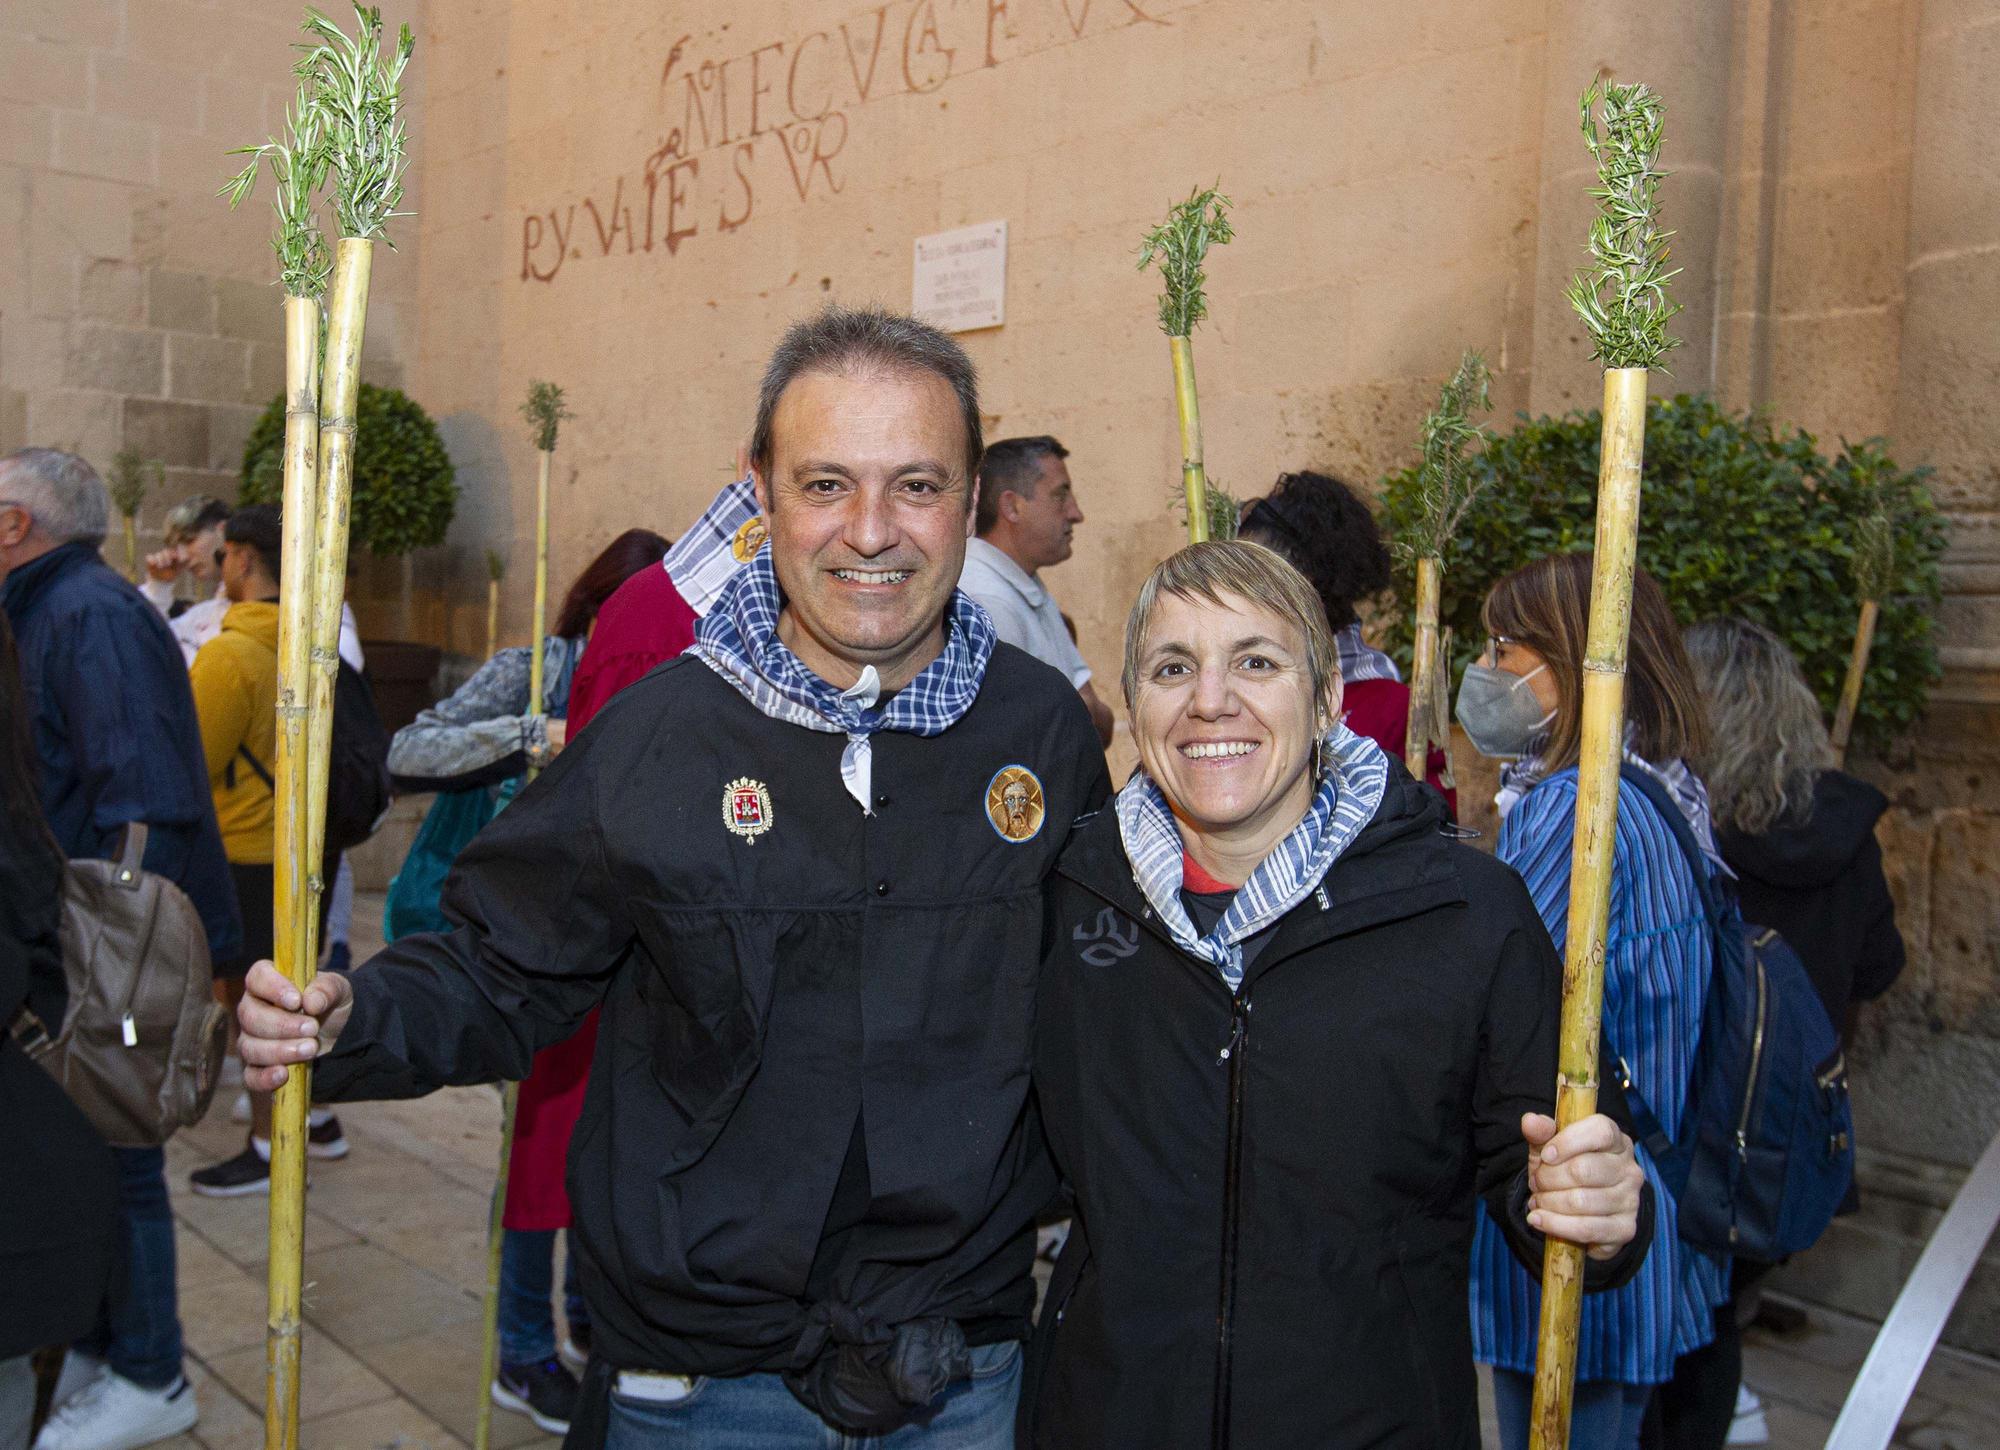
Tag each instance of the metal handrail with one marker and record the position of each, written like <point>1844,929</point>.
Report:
<point>1896,1360</point>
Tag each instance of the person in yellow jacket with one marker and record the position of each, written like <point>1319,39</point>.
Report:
<point>235,681</point>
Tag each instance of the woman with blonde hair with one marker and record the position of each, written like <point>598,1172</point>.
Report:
<point>1522,702</point>
<point>1288,1033</point>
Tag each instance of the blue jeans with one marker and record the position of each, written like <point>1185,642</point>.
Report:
<point>757,1412</point>
<point>139,1330</point>
<point>1603,1415</point>
<point>527,1287</point>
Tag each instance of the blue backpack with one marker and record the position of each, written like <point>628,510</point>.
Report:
<point>1765,1152</point>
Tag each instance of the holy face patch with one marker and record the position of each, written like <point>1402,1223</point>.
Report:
<point>1014,804</point>
<point>746,808</point>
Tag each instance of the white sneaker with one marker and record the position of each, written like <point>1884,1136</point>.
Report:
<point>239,1111</point>
<point>112,1413</point>
<point>78,1370</point>
<point>1749,1427</point>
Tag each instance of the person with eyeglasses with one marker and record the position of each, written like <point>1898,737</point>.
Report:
<point>1521,702</point>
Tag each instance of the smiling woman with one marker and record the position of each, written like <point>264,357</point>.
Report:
<point>1274,1221</point>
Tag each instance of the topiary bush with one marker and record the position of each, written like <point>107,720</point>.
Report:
<point>404,495</point>
<point>1736,519</point>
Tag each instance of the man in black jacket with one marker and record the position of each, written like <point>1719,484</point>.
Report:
<point>802,870</point>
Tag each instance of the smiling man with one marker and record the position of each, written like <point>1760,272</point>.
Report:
<point>801,867</point>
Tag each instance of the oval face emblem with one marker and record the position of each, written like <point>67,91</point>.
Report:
<point>749,539</point>
<point>1014,804</point>
<point>746,808</point>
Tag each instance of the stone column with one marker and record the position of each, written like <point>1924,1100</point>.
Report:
<point>1683,52</point>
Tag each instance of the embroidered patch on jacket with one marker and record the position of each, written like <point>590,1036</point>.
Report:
<point>1014,803</point>
<point>746,808</point>
<point>749,539</point>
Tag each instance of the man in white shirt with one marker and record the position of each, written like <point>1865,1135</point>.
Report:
<point>1027,512</point>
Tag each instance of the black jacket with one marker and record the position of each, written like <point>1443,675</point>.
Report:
<point>838,982</point>
<point>1275,1190</point>
<point>1821,885</point>
<point>59,1237</point>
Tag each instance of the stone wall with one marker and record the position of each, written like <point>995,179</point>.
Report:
<point>632,198</point>
<point>135,309</point>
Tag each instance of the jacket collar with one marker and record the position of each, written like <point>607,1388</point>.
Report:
<point>1400,865</point>
<point>26,584</point>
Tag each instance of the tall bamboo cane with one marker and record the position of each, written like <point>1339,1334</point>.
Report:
<point>298,165</point>
<point>545,413</point>
<point>1874,577</point>
<point>1448,487</point>
<point>1622,299</point>
<point>1181,243</point>
<point>496,570</point>
<point>345,125</point>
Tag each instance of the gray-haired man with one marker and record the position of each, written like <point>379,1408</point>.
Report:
<point>801,869</point>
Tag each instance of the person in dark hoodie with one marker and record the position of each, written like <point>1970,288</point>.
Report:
<point>58,1183</point>
<point>1800,837</point>
<point>1799,834</point>
<point>1288,1032</point>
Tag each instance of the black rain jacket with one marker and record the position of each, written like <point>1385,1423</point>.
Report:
<point>1274,1189</point>
<point>765,996</point>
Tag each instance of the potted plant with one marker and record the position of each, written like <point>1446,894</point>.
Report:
<point>403,499</point>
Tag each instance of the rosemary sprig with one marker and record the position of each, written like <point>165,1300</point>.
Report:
<point>356,93</point>
<point>298,170</point>
<point>1622,296</point>
<point>1875,555</point>
<point>544,411</point>
<point>1181,243</point>
<point>496,566</point>
<point>1447,484</point>
<point>132,474</point>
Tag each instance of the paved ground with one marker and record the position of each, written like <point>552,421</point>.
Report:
<point>395,1264</point>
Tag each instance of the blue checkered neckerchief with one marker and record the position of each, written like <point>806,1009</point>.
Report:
<point>703,561</point>
<point>1350,792</point>
<point>1360,660</point>
<point>738,639</point>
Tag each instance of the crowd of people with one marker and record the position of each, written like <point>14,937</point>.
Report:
<point>832,960</point>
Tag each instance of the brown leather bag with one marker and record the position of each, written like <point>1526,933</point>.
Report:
<point>141,1048</point>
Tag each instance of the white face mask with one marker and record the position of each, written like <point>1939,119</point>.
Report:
<point>1499,710</point>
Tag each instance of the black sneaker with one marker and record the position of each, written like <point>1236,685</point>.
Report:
<point>247,1172</point>
<point>326,1140</point>
<point>546,1393</point>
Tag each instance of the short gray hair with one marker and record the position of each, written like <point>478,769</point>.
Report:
<point>61,492</point>
<point>1767,737</point>
<point>841,339</point>
<point>1251,572</point>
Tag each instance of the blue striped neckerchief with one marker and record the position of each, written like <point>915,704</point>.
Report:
<point>738,639</point>
<point>1349,793</point>
<point>1359,660</point>
<point>705,560</point>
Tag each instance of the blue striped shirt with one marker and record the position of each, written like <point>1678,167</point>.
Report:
<point>1656,970</point>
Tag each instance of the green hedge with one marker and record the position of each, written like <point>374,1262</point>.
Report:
<point>404,495</point>
<point>1736,519</point>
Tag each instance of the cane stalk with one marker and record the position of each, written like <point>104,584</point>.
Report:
<point>1181,244</point>
<point>1623,302</point>
<point>544,411</point>
<point>131,476</point>
<point>1448,486</point>
<point>496,570</point>
<point>345,126</point>
<point>1874,577</point>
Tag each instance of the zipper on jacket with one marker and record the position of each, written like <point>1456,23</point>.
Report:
<point>1750,1088</point>
<point>1232,1054</point>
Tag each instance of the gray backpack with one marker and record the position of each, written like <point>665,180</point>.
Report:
<point>141,1048</point>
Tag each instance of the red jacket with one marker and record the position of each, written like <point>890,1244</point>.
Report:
<point>646,623</point>
<point>1380,709</point>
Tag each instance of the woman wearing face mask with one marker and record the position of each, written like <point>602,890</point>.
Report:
<point>1288,1032</point>
<point>1522,702</point>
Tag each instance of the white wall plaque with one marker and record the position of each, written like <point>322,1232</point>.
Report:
<point>960,278</point>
